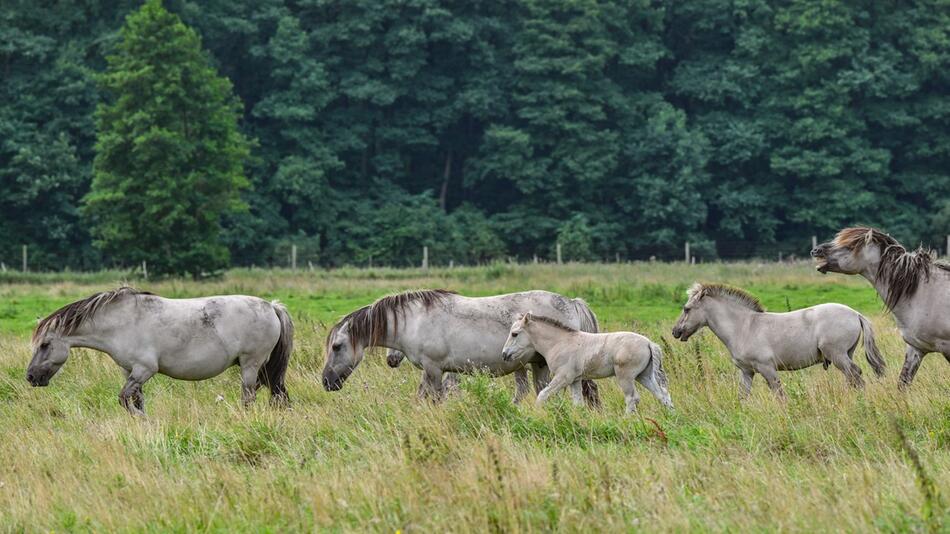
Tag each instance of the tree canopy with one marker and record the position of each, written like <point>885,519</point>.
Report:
<point>491,129</point>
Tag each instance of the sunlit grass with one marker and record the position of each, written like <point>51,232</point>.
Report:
<point>372,457</point>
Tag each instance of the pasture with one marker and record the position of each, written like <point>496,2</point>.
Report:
<point>372,457</point>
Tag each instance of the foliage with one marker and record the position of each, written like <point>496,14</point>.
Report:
<point>169,157</point>
<point>742,127</point>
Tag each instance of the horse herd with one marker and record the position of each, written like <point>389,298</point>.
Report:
<point>556,337</point>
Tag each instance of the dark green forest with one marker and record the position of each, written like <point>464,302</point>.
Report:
<point>483,130</point>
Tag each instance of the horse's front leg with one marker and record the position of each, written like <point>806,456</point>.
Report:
<point>521,385</point>
<point>131,397</point>
<point>431,386</point>
<point>745,383</point>
<point>912,359</point>
<point>770,374</point>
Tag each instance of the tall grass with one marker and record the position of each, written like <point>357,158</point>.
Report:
<point>373,458</point>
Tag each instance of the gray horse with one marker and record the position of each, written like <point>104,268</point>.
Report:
<point>765,343</point>
<point>188,339</point>
<point>443,332</point>
<point>914,286</point>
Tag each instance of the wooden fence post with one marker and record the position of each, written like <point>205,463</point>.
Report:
<point>425,258</point>
<point>687,252</point>
<point>293,257</point>
<point>558,253</point>
<point>25,265</point>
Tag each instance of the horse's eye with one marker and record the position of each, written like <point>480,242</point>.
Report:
<point>337,346</point>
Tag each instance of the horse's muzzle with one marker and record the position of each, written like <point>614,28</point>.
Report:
<point>333,381</point>
<point>37,379</point>
<point>820,253</point>
<point>506,355</point>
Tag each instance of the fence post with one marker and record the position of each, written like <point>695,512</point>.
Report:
<point>948,245</point>
<point>293,257</point>
<point>558,247</point>
<point>687,252</point>
<point>425,257</point>
<point>310,263</point>
<point>451,264</point>
<point>814,242</point>
<point>3,266</point>
<point>536,256</point>
<point>144,269</point>
<point>25,266</point>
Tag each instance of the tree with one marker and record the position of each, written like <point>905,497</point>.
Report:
<point>169,156</point>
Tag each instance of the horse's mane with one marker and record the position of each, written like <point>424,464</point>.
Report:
<point>553,322</point>
<point>67,319</point>
<point>739,296</point>
<point>369,323</point>
<point>900,270</point>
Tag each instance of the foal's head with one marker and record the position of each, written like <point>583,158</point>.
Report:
<point>695,314</point>
<point>518,343</point>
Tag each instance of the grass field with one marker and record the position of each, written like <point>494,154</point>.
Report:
<point>372,457</point>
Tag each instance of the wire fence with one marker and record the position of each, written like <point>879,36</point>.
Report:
<point>304,257</point>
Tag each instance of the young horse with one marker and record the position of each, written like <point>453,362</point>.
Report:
<point>915,288</point>
<point>442,332</point>
<point>573,356</point>
<point>188,339</point>
<point>764,343</point>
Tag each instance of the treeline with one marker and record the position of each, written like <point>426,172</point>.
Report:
<point>495,129</point>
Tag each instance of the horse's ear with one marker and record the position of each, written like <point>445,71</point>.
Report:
<point>526,317</point>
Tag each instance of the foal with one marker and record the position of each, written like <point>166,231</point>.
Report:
<point>573,356</point>
<point>765,343</point>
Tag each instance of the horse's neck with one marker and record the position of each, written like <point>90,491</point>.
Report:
<point>729,321</point>
<point>870,274</point>
<point>545,337</point>
<point>101,332</point>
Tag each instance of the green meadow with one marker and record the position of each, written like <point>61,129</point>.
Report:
<point>372,457</point>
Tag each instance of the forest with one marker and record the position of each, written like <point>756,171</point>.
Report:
<point>484,130</point>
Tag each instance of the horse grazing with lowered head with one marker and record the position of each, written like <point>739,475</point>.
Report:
<point>765,343</point>
<point>188,339</point>
<point>914,286</point>
<point>573,356</point>
<point>442,332</point>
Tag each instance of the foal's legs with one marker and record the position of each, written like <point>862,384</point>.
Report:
<point>559,382</point>
<point>745,382</point>
<point>521,385</point>
<point>131,397</point>
<point>770,374</point>
<point>912,359</point>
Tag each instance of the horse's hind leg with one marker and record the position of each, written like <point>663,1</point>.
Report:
<point>131,397</point>
<point>770,374</point>
<point>577,393</point>
<point>851,371</point>
<point>646,378</point>
<point>628,384</point>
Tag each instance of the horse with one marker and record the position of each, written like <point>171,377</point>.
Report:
<point>573,355</point>
<point>914,286</point>
<point>394,359</point>
<point>764,343</point>
<point>440,331</point>
<point>187,339</point>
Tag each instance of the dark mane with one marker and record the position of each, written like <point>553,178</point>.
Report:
<point>553,322</point>
<point>739,296</point>
<point>900,270</point>
<point>369,323</point>
<point>67,319</point>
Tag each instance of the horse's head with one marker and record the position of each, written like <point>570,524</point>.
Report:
<point>848,253</point>
<point>50,352</point>
<point>518,343</point>
<point>344,353</point>
<point>693,316</point>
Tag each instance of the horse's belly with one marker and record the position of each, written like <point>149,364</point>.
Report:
<point>184,367</point>
<point>794,362</point>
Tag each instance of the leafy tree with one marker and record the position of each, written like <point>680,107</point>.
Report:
<point>169,156</point>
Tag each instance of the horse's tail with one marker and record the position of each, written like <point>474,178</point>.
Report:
<point>273,372</point>
<point>655,370</point>
<point>870,347</point>
<point>587,317</point>
<point>588,323</point>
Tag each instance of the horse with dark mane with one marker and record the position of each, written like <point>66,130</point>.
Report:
<point>915,287</point>
<point>442,332</point>
<point>188,339</point>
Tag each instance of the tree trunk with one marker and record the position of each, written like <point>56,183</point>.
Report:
<point>445,180</point>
